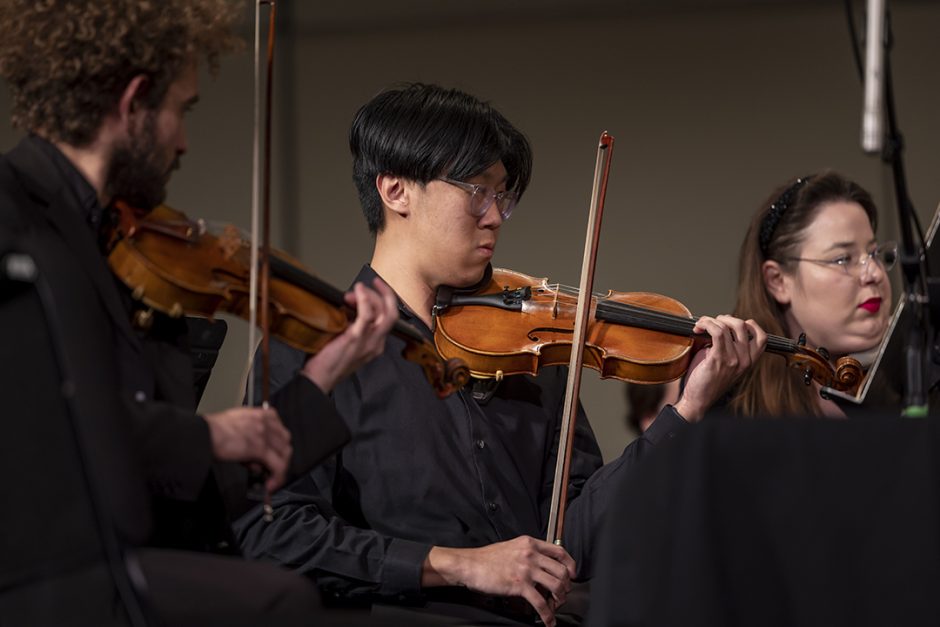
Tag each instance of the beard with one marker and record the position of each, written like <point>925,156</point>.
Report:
<point>135,174</point>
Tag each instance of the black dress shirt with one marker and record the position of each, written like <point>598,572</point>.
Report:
<point>466,471</point>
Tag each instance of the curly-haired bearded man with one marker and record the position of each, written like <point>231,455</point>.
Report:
<point>105,454</point>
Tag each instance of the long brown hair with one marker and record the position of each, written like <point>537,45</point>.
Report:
<point>776,232</point>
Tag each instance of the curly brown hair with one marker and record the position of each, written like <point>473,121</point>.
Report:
<point>68,61</point>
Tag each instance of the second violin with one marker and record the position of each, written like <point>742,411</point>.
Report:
<point>171,263</point>
<point>639,336</point>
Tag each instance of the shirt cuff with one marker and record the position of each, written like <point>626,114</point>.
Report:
<point>665,427</point>
<point>404,562</point>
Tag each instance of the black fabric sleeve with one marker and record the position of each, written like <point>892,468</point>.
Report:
<point>586,512</point>
<point>317,431</point>
<point>309,536</point>
<point>174,448</point>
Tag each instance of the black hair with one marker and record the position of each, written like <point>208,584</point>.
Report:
<point>423,132</point>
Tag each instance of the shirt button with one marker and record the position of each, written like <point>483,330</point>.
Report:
<point>139,396</point>
<point>481,444</point>
<point>492,506</point>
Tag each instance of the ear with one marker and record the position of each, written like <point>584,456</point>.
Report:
<point>131,102</point>
<point>776,281</point>
<point>395,193</point>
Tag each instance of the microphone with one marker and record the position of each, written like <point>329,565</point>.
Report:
<point>872,133</point>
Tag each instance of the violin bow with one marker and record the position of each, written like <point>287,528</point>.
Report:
<point>261,220</point>
<point>556,519</point>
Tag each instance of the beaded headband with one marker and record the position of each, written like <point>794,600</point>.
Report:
<point>769,224</point>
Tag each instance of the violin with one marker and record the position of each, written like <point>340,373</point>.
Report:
<point>174,265</point>
<point>518,324</point>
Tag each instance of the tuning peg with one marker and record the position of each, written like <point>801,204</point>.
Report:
<point>823,352</point>
<point>802,339</point>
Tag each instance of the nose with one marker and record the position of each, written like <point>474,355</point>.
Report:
<point>182,144</point>
<point>492,218</point>
<point>873,271</point>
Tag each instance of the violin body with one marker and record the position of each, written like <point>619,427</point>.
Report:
<point>499,341</point>
<point>173,265</point>
<point>213,278</point>
<point>518,324</point>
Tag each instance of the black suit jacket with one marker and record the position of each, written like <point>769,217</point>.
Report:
<point>58,384</point>
<point>131,398</point>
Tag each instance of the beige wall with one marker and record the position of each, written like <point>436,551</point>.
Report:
<point>710,110</point>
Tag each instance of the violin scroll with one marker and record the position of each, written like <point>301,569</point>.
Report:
<point>815,366</point>
<point>446,376</point>
<point>849,374</point>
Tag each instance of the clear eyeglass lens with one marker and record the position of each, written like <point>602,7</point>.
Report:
<point>886,255</point>
<point>506,203</point>
<point>482,199</point>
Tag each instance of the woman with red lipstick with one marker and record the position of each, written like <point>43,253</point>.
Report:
<point>810,264</point>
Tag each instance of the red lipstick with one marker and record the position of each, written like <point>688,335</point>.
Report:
<point>872,305</point>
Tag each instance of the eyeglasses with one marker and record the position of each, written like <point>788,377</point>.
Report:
<point>885,255</point>
<point>481,198</point>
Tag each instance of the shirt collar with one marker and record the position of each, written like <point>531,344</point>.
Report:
<point>84,193</point>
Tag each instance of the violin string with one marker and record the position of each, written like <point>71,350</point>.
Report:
<point>781,344</point>
<point>601,296</point>
<point>656,320</point>
<point>573,291</point>
<point>662,320</point>
<point>684,325</point>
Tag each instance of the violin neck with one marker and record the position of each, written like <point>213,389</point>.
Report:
<point>639,317</point>
<point>306,281</point>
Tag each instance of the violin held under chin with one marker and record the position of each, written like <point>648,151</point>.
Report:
<point>517,324</point>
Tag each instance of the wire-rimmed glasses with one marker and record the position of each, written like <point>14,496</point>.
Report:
<point>885,255</point>
<point>482,198</point>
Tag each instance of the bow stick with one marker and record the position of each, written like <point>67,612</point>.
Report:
<point>556,517</point>
<point>261,215</point>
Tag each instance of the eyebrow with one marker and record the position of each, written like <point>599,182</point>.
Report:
<point>839,245</point>
<point>501,182</point>
<point>498,182</point>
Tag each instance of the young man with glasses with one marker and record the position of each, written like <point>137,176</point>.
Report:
<point>440,504</point>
